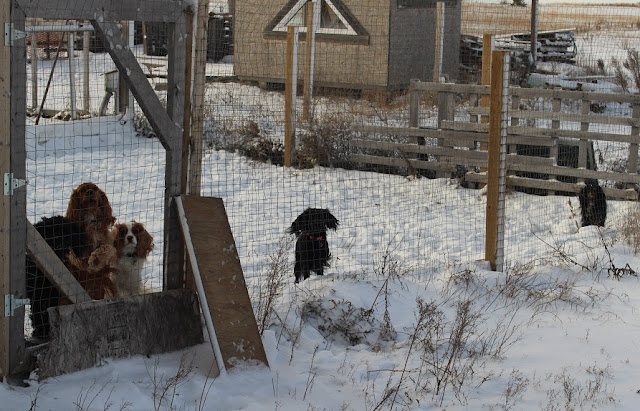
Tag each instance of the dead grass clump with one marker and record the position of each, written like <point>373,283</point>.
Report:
<point>629,227</point>
<point>572,393</point>
<point>326,144</point>
<point>272,287</point>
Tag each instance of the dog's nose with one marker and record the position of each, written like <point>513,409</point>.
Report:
<point>89,192</point>
<point>129,238</point>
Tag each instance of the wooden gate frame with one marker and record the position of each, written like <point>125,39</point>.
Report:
<point>167,125</point>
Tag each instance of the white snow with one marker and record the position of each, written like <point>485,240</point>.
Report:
<point>554,331</point>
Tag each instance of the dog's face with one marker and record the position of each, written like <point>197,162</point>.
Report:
<point>89,204</point>
<point>132,239</point>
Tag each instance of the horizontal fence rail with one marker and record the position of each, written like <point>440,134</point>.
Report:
<point>454,142</point>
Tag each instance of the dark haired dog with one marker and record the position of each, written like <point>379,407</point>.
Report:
<point>312,248</point>
<point>63,236</point>
<point>593,204</point>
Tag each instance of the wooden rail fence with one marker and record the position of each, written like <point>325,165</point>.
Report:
<point>456,142</point>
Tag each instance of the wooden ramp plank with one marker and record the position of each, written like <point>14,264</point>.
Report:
<point>223,280</point>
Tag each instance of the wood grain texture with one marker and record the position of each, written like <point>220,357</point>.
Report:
<point>84,335</point>
<point>223,280</point>
<point>54,269</point>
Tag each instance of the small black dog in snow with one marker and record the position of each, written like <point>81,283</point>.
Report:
<point>593,204</point>
<point>312,248</point>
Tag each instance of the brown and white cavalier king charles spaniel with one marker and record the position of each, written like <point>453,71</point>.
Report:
<point>91,210</point>
<point>133,244</point>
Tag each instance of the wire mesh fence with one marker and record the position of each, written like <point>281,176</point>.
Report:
<point>395,214</point>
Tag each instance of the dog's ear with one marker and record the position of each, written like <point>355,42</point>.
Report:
<point>74,206</point>
<point>331,222</point>
<point>294,229</point>
<point>145,243</point>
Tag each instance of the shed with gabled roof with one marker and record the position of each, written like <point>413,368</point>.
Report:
<point>359,44</point>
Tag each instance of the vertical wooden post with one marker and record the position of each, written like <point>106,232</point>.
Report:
<point>556,106</point>
<point>186,119</point>
<point>309,58</point>
<point>632,161</point>
<point>197,122</point>
<point>145,46</point>
<point>488,42</point>
<point>414,104</point>
<point>583,148</point>
<point>534,33</point>
<point>515,121</point>
<point>71,40</point>
<point>34,71</point>
<point>437,63</point>
<point>123,90</point>
<point>12,207</point>
<point>86,40</point>
<point>496,173</point>
<point>290,86</point>
<point>174,273</point>
<point>5,213</point>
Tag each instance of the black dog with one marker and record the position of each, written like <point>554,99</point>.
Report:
<point>593,204</point>
<point>312,248</point>
<point>62,235</point>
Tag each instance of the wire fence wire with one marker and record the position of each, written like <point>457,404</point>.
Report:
<point>393,215</point>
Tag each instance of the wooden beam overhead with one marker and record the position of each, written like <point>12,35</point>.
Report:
<point>104,10</point>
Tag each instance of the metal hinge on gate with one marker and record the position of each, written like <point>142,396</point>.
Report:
<point>11,34</point>
<point>11,183</point>
<point>11,304</point>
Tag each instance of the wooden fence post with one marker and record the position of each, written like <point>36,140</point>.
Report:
<point>583,145</point>
<point>488,42</point>
<point>12,205</point>
<point>556,106</point>
<point>414,104</point>
<point>5,215</point>
<point>439,37</point>
<point>313,16</point>
<point>197,114</point>
<point>632,161</point>
<point>496,170</point>
<point>291,82</point>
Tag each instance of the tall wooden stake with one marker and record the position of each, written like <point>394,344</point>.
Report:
<point>13,91</point>
<point>186,120</point>
<point>496,175</point>
<point>437,65</point>
<point>5,214</point>
<point>313,10</point>
<point>197,122</point>
<point>291,82</point>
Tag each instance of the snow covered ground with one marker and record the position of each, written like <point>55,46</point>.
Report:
<point>407,317</point>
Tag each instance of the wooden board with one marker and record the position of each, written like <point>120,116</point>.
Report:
<point>84,335</point>
<point>54,269</point>
<point>5,214</point>
<point>223,280</point>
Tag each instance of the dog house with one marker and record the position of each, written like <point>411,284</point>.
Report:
<point>359,45</point>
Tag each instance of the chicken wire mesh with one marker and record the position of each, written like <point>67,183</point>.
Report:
<point>395,218</point>
<point>83,127</point>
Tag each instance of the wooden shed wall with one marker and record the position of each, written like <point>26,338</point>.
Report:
<point>412,43</point>
<point>337,64</point>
